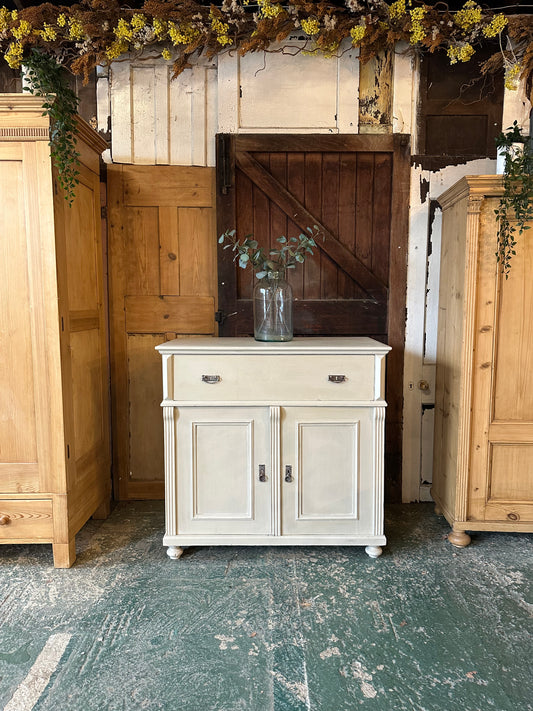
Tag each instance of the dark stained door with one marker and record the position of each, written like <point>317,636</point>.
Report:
<point>356,189</point>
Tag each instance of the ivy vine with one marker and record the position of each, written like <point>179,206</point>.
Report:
<point>515,209</point>
<point>46,78</point>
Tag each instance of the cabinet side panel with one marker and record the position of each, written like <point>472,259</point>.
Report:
<point>449,353</point>
<point>84,349</point>
<point>17,421</point>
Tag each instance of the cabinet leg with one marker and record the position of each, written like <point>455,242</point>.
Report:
<point>103,511</point>
<point>64,553</point>
<point>174,552</point>
<point>459,539</point>
<point>373,551</point>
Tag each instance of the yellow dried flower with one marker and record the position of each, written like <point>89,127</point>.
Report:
<point>417,28</point>
<point>221,30</point>
<point>116,49</point>
<point>397,9</point>
<point>182,34</point>
<point>268,9</point>
<point>14,54</point>
<point>123,31</point>
<point>468,16</point>
<point>460,52</point>
<point>160,28</point>
<point>496,26</point>
<point>48,33</point>
<point>166,54</point>
<point>512,76</point>
<point>14,15</point>
<point>138,22</point>
<point>5,17</point>
<point>224,40</point>
<point>357,33</point>
<point>23,30</point>
<point>61,20</point>
<point>310,26</point>
<point>75,29</point>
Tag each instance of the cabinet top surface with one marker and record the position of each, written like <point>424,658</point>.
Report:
<point>299,345</point>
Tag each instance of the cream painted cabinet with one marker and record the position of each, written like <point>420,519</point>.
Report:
<point>274,444</point>
<point>483,464</point>
<point>54,425</point>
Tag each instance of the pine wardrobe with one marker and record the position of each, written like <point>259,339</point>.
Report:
<point>483,456</point>
<point>54,421</point>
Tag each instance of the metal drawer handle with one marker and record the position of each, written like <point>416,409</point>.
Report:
<point>288,473</point>
<point>211,379</point>
<point>262,472</point>
<point>337,378</point>
<point>4,520</point>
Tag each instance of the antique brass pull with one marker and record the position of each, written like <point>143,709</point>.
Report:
<point>211,379</point>
<point>336,378</point>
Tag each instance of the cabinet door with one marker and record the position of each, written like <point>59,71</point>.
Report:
<point>221,453</point>
<point>334,484</point>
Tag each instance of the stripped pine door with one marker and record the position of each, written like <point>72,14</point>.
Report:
<point>162,284</point>
<point>356,190</point>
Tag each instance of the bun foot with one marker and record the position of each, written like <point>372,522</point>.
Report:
<point>373,551</point>
<point>459,539</point>
<point>174,552</point>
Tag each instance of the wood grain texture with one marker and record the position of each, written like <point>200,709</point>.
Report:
<point>178,314</point>
<point>27,520</point>
<point>162,271</point>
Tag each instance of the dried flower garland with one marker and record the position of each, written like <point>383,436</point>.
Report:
<point>99,31</point>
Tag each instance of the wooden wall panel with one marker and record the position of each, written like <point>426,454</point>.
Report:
<point>162,274</point>
<point>145,392</point>
<point>156,120</point>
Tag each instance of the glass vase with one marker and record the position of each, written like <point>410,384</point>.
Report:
<point>273,308</point>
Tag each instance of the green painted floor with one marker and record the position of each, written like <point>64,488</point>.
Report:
<point>425,627</point>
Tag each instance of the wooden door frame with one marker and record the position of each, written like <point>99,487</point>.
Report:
<point>397,144</point>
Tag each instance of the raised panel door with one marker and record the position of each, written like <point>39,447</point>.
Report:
<point>329,488</point>
<point>225,477</point>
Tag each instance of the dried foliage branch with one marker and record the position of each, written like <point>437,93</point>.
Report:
<point>97,32</point>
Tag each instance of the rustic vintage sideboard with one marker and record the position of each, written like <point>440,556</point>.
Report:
<point>274,443</point>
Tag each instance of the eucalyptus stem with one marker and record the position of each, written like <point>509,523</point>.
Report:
<point>46,79</point>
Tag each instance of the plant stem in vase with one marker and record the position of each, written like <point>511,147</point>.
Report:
<point>273,308</point>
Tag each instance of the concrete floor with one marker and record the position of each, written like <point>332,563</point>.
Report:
<point>426,627</point>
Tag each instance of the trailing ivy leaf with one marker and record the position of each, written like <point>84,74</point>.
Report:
<point>61,104</point>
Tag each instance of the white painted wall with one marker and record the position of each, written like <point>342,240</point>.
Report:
<point>158,121</point>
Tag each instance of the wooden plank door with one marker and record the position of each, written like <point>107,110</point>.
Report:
<point>162,284</point>
<point>356,189</point>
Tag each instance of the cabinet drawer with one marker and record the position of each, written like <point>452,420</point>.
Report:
<point>210,378</point>
<point>29,519</point>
